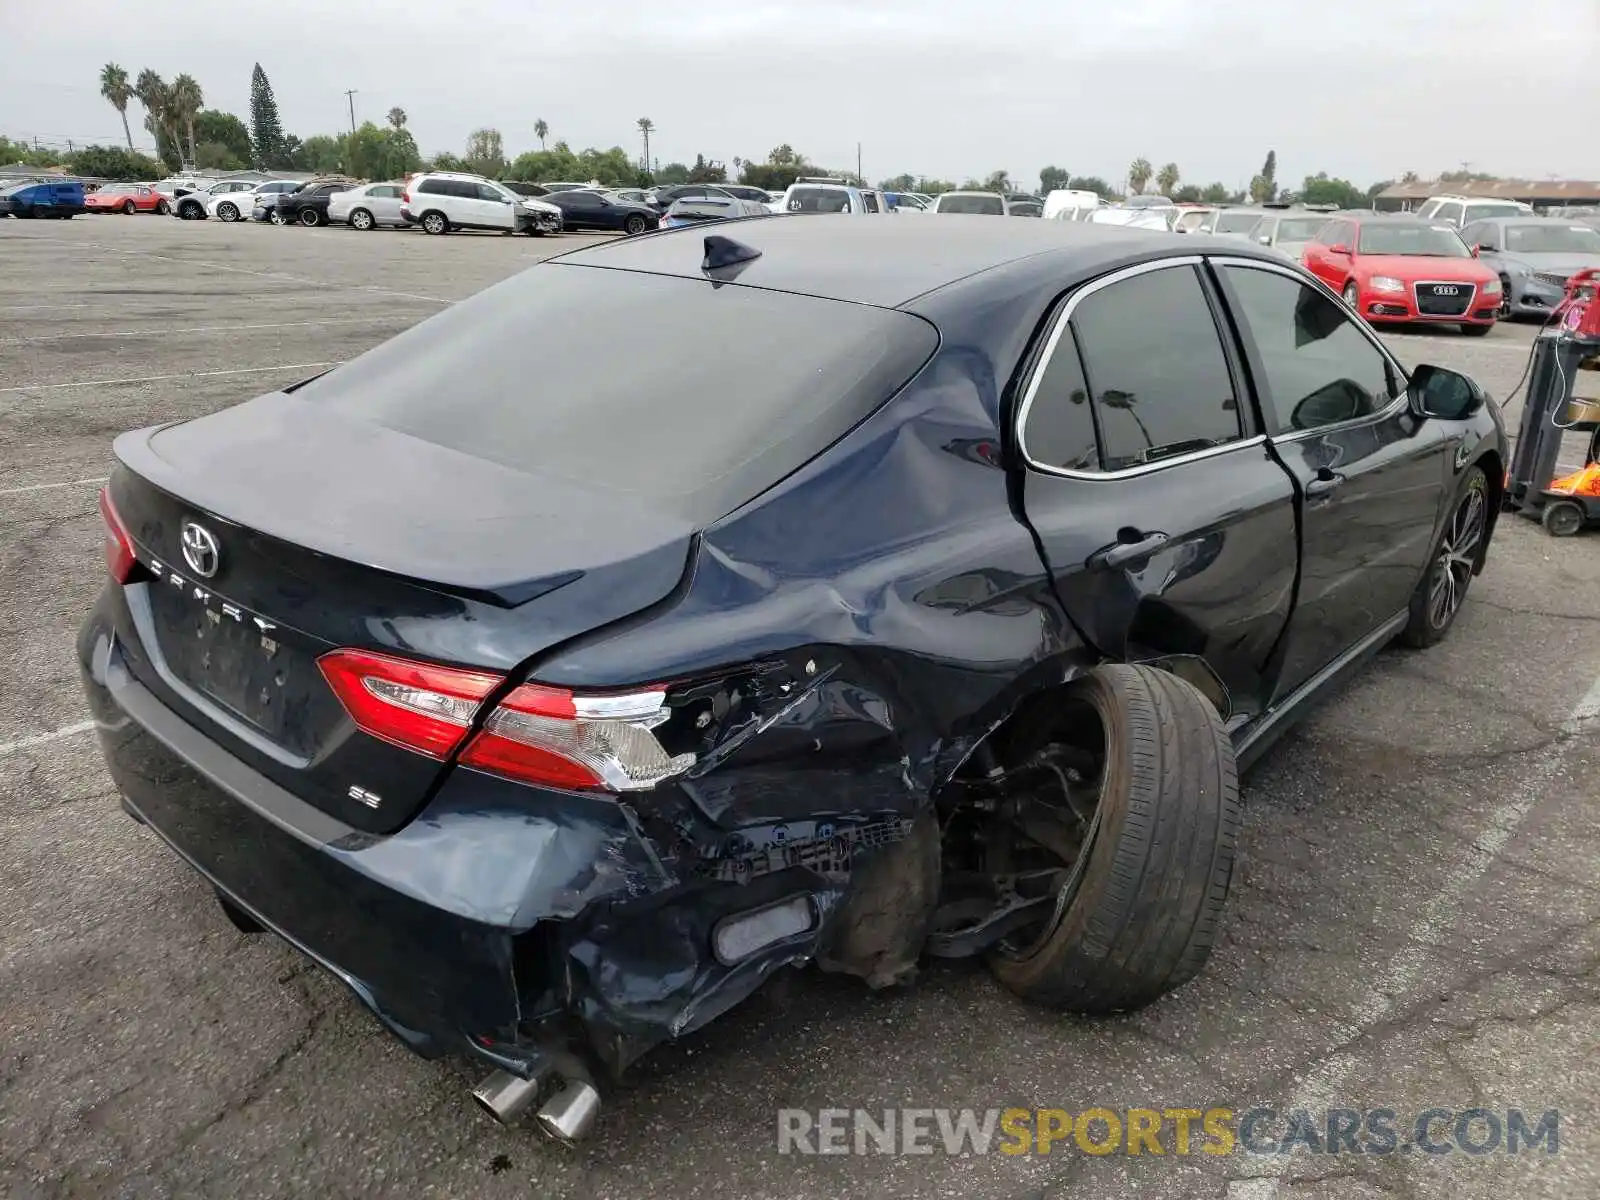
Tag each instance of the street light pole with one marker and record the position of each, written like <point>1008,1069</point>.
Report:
<point>351,96</point>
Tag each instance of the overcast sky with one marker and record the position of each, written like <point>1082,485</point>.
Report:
<point>1364,89</point>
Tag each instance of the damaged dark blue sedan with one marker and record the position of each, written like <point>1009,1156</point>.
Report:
<point>892,589</point>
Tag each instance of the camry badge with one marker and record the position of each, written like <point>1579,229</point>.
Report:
<point>200,549</point>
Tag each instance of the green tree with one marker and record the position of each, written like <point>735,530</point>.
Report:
<point>108,162</point>
<point>613,167</point>
<point>900,183</point>
<point>322,154</point>
<point>187,100</point>
<point>378,152</point>
<point>1216,193</point>
<point>646,128</point>
<point>225,130</point>
<point>1053,179</point>
<point>1189,193</point>
<point>1319,189</point>
<point>1167,179</point>
<point>679,173</point>
<point>21,152</point>
<point>116,88</point>
<point>1264,187</point>
<point>704,172</point>
<point>1093,183</point>
<point>541,127</point>
<point>1139,172</point>
<point>486,153</point>
<point>1410,177</point>
<point>1373,189</point>
<point>396,118</point>
<point>445,161</point>
<point>156,97</point>
<point>271,148</point>
<point>998,181</point>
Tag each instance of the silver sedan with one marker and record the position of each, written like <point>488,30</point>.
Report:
<point>368,206</point>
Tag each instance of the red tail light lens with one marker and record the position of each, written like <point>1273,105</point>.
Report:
<point>119,546</point>
<point>419,706</point>
<point>405,197</point>
<point>537,734</point>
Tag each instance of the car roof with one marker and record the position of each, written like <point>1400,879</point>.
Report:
<point>884,263</point>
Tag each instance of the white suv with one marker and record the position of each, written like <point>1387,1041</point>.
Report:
<point>1464,210</point>
<point>238,206</point>
<point>440,201</point>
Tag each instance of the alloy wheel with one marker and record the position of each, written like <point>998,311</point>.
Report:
<point>1458,555</point>
<point>361,219</point>
<point>227,212</point>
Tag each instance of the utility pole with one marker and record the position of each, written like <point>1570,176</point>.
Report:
<point>860,178</point>
<point>351,96</point>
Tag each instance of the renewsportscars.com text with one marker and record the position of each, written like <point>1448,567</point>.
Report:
<point>1179,1132</point>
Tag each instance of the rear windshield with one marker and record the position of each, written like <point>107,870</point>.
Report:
<point>988,205</point>
<point>818,199</point>
<point>1238,222</point>
<point>1299,229</point>
<point>723,391</point>
<point>1551,237</point>
<point>1406,237</point>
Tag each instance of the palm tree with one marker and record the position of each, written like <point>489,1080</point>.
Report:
<point>1139,172</point>
<point>156,98</point>
<point>397,118</point>
<point>540,128</point>
<point>645,126</point>
<point>114,86</point>
<point>187,101</point>
<point>1167,179</point>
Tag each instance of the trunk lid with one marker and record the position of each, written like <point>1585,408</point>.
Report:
<point>330,532</point>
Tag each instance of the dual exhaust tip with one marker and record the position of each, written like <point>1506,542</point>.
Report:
<point>567,1116</point>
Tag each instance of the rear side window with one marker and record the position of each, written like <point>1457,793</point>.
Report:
<point>1155,368</point>
<point>434,187</point>
<point>1138,376</point>
<point>723,392</point>
<point>870,199</point>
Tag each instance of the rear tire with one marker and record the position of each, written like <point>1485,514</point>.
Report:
<point>634,225</point>
<point>435,223</point>
<point>1158,863</point>
<point>310,218</point>
<point>1461,545</point>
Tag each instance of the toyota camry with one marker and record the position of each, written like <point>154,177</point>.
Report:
<point>908,589</point>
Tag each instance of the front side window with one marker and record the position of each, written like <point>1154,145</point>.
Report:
<point>1319,368</point>
<point>1154,368</point>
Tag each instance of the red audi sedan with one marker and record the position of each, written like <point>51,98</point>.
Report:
<point>126,198</point>
<point>1397,268</point>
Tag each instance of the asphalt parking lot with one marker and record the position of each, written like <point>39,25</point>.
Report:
<point>1415,922</point>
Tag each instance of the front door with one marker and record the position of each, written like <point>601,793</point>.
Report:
<point>1164,519</point>
<point>1371,478</point>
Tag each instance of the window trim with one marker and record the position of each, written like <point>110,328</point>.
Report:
<point>1061,325</point>
<point>1396,403</point>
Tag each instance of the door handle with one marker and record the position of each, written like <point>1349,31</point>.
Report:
<point>1121,553</point>
<point>1324,482</point>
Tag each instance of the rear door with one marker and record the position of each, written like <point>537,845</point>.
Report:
<point>1371,480</point>
<point>1166,522</point>
<point>384,201</point>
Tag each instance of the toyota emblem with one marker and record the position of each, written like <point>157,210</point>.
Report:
<point>200,549</point>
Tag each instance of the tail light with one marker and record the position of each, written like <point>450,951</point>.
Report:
<point>536,734</point>
<point>405,196</point>
<point>119,546</point>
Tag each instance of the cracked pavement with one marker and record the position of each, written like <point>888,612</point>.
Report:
<point>1415,919</point>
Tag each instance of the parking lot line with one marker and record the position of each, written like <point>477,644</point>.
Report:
<point>1318,1088</point>
<point>41,387</point>
<point>39,739</point>
<point>137,333</point>
<point>45,487</point>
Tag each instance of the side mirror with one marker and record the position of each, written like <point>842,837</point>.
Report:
<point>1476,250</point>
<point>1442,393</point>
<point>1265,239</point>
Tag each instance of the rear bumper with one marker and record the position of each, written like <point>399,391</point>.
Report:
<point>503,922</point>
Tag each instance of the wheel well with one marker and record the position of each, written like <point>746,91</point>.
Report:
<point>1495,471</point>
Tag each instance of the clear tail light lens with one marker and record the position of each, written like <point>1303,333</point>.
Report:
<point>119,546</point>
<point>549,735</point>
<point>537,734</point>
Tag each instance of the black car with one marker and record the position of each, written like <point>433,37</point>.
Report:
<point>663,196</point>
<point>308,205</point>
<point>595,210</point>
<point>906,589</point>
